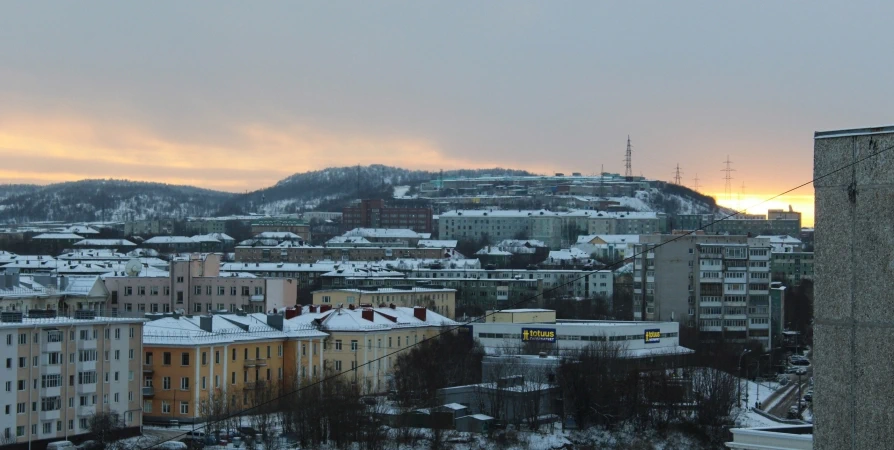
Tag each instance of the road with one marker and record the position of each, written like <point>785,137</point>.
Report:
<point>790,394</point>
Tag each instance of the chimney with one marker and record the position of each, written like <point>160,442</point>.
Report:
<point>313,308</point>
<point>351,307</point>
<point>275,321</point>
<point>367,314</point>
<point>293,312</point>
<point>419,313</point>
<point>324,308</point>
<point>381,305</point>
<point>392,306</point>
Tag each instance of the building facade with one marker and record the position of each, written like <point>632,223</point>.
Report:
<point>374,213</point>
<point>60,371</point>
<point>296,226</point>
<point>853,317</point>
<point>226,362</point>
<point>441,301</point>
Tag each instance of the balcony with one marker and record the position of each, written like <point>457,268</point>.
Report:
<point>89,388</point>
<point>51,369</point>
<point>257,298</point>
<point>54,391</point>
<point>255,362</point>
<point>253,385</point>
<point>148,368</point>
<point>148,391</point>
<point>50,415</point>
<point>86,344</point>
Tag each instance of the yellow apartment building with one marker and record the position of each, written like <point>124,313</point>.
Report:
<point>233,358</point>
<point>369,339</point>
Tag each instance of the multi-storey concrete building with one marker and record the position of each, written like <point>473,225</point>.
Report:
<point>310,254</point>
<point>61,371</point>
<point>559,283</point>
<point>296,226</point>
<point>853,318</point>
<point>777,222</point>
<point>371,213</point>
<point>195,285</point>
<point>556,229</point>
<point>720,283</point>
<point>792,267</point>
<point>231,357</point>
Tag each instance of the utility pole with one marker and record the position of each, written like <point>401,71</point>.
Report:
<point>628,160</point>
<point>677,176</point>
<point>728,178</point>
<point>696,185</point>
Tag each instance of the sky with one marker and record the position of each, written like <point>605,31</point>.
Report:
<point>237,95</point>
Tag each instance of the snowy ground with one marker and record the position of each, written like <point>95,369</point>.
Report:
<point>755,392</point>
<point>400,191</point>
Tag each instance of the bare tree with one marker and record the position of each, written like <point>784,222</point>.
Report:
<point>213,409</point>
<point>105,427</point>
<point>265,414</point>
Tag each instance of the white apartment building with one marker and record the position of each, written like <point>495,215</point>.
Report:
<point>556,229</point>
<point>60,371</point>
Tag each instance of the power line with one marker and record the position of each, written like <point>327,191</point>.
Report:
<point>521,302</point>
<point>728,187</point>
<point>628,161</point>
<point>696,185</point>
<point>678,179</point>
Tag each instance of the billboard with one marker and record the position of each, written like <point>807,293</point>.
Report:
<point>538,335</point>
<point>652,336</point>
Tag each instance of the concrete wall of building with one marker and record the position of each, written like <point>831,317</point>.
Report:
<point>853,294</point>
<point>442,302</point>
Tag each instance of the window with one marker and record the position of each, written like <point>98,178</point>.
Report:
<point>268,351</point>
<point>204,385</point>
<point>23,362</point>
<point>21,385</point>
<point>131,332</point>
<point>153,290</point>
<point>166,358</point>
<point>184,407</point>
<point>166,383</point>
<point>147,406</point>
<point>234,354</point>
<point>338,344</point>
<point>117,355</point>
<point>184,359</point>
<point>141,290</point>
<point>259,290</point>
<point>279,350</point>
<point>221,290</point>
<point>353,345</point>
<point>87,377</point>
<point>197,307</point>
<point>167,291</point>
<point>130,354</point>
<point>198,290</point>
<point>217,381</point>
<point>180,279</point>
<point>165,407</point>
<point>232,290</point>
<point>20,408</point>
<point>245,291</point>
<point>184,383</point>
<point>233,378</point>
<point>180,297</point>
<point>128,291</point>
<point>216,357</point>
<point>204,358</point>
<point>116,398</point>
<point>23,338</point>
<point>338,365</point>
<point>207,290</point>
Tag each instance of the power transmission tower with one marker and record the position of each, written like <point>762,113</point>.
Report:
<point>728,178</point>
<point>628,167</point>
<point>677,176</point>
<point>696,185</point>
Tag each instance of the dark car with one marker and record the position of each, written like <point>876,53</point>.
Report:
<point>247,431</point>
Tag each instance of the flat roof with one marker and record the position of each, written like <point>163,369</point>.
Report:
<point>853,132</point>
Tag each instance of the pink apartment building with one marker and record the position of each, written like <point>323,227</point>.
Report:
<point>194,285</point>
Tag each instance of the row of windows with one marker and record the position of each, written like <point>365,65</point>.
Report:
<point>185,356</point>
<point>47,381</point>
<point>185,381</point>
<point>47,427</point>
<point>601,338</point>
<point>59,336</point>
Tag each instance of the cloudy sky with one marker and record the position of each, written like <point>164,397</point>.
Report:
<point>236,95</point>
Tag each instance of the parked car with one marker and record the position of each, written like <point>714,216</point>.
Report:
<point>193,443</point>
<point>801,371</point>
<point>808,396</point>
<point>247,431</point>
<point>61,445</point>
<point>791,369</point>
<point>171,445</point>
<point>88,445</point>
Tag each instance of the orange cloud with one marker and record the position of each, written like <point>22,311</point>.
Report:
<point>45,150</point>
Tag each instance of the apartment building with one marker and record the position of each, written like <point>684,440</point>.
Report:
<point>368,338</point>
<point>776,222</point>
<point>720,283</point>
<point>60,371</point>
<point>559,283</point>
<point>374,213</point>
<point>556,229</point>
<point>233,358</point>
<point>194,284</point>
<point>473,295</point>
<point>439,300</point>
<point>296,226</point>
<point>792,267</point>
<point>310,254</point>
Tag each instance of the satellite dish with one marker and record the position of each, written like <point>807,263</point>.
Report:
<point>133,267</point>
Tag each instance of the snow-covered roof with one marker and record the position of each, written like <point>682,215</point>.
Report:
<point>27,287</point>
<point>505,243</point>
<point>344,319</point>
<point>492,251</point>
<point>379,233</point>
<point>568,254</point>
<point>225,328</point>
<point>501,213</point>
<point>62,321</point>
<point>161,240</point>
<point>348,240</point>
<point>437,243</point>
<point>222,237</point>
<point>59,236</point>
<point>80,285</point>
<point>616,239</point>
<point>388,290</point>
<point>79,229</point>
<point>104,242</point>
<point>278,267</point>
<point>783,239</point>
<point>47,264</point>
<point>280,235</point>
<point>364,270</point>
<point>147,272</point>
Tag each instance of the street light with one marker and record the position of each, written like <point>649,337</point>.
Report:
<point>739,384</point>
